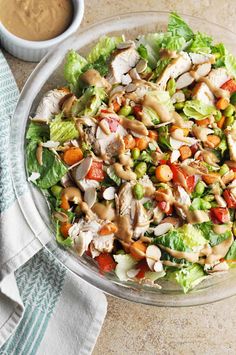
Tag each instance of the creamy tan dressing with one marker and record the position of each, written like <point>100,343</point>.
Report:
<point>218,92</point>
<point>36,20</point>
<point>189,256</point>
<point>124,228</point>
<point>161,110</point>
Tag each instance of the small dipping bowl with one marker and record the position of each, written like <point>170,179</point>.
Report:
<point>34,51</point>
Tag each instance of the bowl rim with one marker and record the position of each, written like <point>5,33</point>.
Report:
<point>78,16</point>
<point>111,287</point>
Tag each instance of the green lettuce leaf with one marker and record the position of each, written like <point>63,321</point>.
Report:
<point>173,43</point>
<point>73,67</point>
<point>197,109</point>
<point>100,65</point>
<point>112,175</point>
<point>189,277</point>
<point>124,264</point>
<point>185,238</point>
<point>213,238</point>
<point>142,50</point>
<point>201,43</point>
<point>68,242</point>
<point>219,51</point>
<point>89,103</point>
<point>62,130</point>
<point>199,204</point>
<point>52,169</point>
<point>178,27</point>
<point>161,65</point>
<point>162,97</point>
<point>164,137</point>
<point>150,115</point>
<point>231,255</point>
<point>103,48</point>
<point>152,43</point>
<point>230,64</point>
<point>37,131</point>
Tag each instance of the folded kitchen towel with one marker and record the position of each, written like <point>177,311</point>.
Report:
<point>43,307</point>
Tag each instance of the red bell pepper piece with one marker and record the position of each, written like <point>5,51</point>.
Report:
<point>221,214</point>
<point>143,267</point>
<point>96,171</point>
<point>137,110</point>
<point>229,198</point>
<point>105,262</point>
<point>165,207</point>
<point>230,86</point>
<point>179,175</point>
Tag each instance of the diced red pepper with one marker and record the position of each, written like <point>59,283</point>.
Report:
<point>96,171</point>
<point>190,182</point>
<point>194,148</point>
<point>179,175</point>
<point>105,262</point>
<point>221,214</point>
<point>165,207</point>
<point>229,198</point>
<point>230,86</point>
<point>143,267</point>
<point>137,110</point>
<point>163,162</point>
<point>105,111</point>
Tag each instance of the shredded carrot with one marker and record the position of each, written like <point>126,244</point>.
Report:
<point>64,203</point>
<point>212,141</point>
<point>108,228</point>
<point>141,143</point>
<point>129,141</point>
<point>185,152</point>
<point>221,122</point>
<point>153,135</point>
<point>116,106</point>
<point>203,123</point>
<point>72,155</point>
<point>222,103</point>
<point>211,178</point>
<point>64,229</point>
<point>138,250</point>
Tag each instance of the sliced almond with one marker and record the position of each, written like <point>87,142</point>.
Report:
<point>174,156</point>
<point>158,267</point>
<point>125,45</point>
<point>109,193</point>
<point>83,168</point>
<point>153,254</point>
<point>162,229</point>
<point>130,88</point>
<point>90,197</point>
<point>126,79</point>
<point>141,66</point>
<point>132,273</point>
<point>61,216</point>
<point>134,74</point>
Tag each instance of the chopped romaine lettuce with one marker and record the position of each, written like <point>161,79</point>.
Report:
<point>197,109</point>
<point>189,277</point>
<point>52,169</point>
<point>112,175</point>
<point>89,103</point>
<point>173,43</point>
<point>231,256</point>
<point>150,115</point>
<point>219,51</point>
<point>73,68</point>
<point>62,130</point>
<point>164,137</point>
<point>161,65</point>
<point>152,43</point>
<point>68,242</point>
<point>178,27</point>
<point>213,238</point>
<point>162,97</point>
<point>199,204</point>
<point>143,52</point>
<point>37,131</point>
<point>201,43</point>
<point>230,63</point>
<point>124,264</point>
<point>103,48</point>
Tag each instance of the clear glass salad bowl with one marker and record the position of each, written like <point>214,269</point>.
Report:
<point>49,74</point>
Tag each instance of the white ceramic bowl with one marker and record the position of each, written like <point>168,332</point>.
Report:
<point>34,51</point>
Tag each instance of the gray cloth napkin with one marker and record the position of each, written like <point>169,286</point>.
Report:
<point>43,307</point>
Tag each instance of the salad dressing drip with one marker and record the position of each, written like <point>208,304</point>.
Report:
<point>36,20</point>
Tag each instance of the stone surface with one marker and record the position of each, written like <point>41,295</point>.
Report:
<point>137,329</point>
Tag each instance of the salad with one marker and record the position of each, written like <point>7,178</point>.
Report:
<point>136,156</point>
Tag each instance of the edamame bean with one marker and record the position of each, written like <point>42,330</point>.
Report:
<point>223,169</point>
<point>229,111</point>
<point>209,198</point>
<point>131,117</point>
<point>140,169</point>
<point>218,116</point>
<point>200,188</point>
<point>171,86</point>
<point>125,110</point>
<point>152,170</point>
<point>56,191</point>
<point>135,153</point>
<point>138,191</point>
<point>179,105</point>
<point>206,205</point>
<point>229,121</point>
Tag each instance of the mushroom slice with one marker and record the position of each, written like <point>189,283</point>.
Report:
<point>203,93</point>
<point>83,168</point>
<point>109,193</point>
<point>162,229</point>
<point>90,196</point>
<point>177,67</point>
<point>153,255</point>
<point>123,60</point>
<point>184,80</point>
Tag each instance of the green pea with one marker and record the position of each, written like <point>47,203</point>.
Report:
<point>125,110</point>
<point>223,169</point>
<point>233,99</point>
<point>229,111</point>
<point>140,169</point>
<point>131,117</point>
<point>138,191</point>
<point>209,198</point>
<point>217,55</point>
<point>179,105</point>
<point>135,153</point>
<point>214,204</point>
<point>56,190</point>
<point>152,170</point>
<point>171,86</point>
<point>218,116</point>
<point>148,205</point>
<point>229,121</point>
<point>200,188</point>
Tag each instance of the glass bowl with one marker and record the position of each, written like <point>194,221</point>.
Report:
<point>49,74</point>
